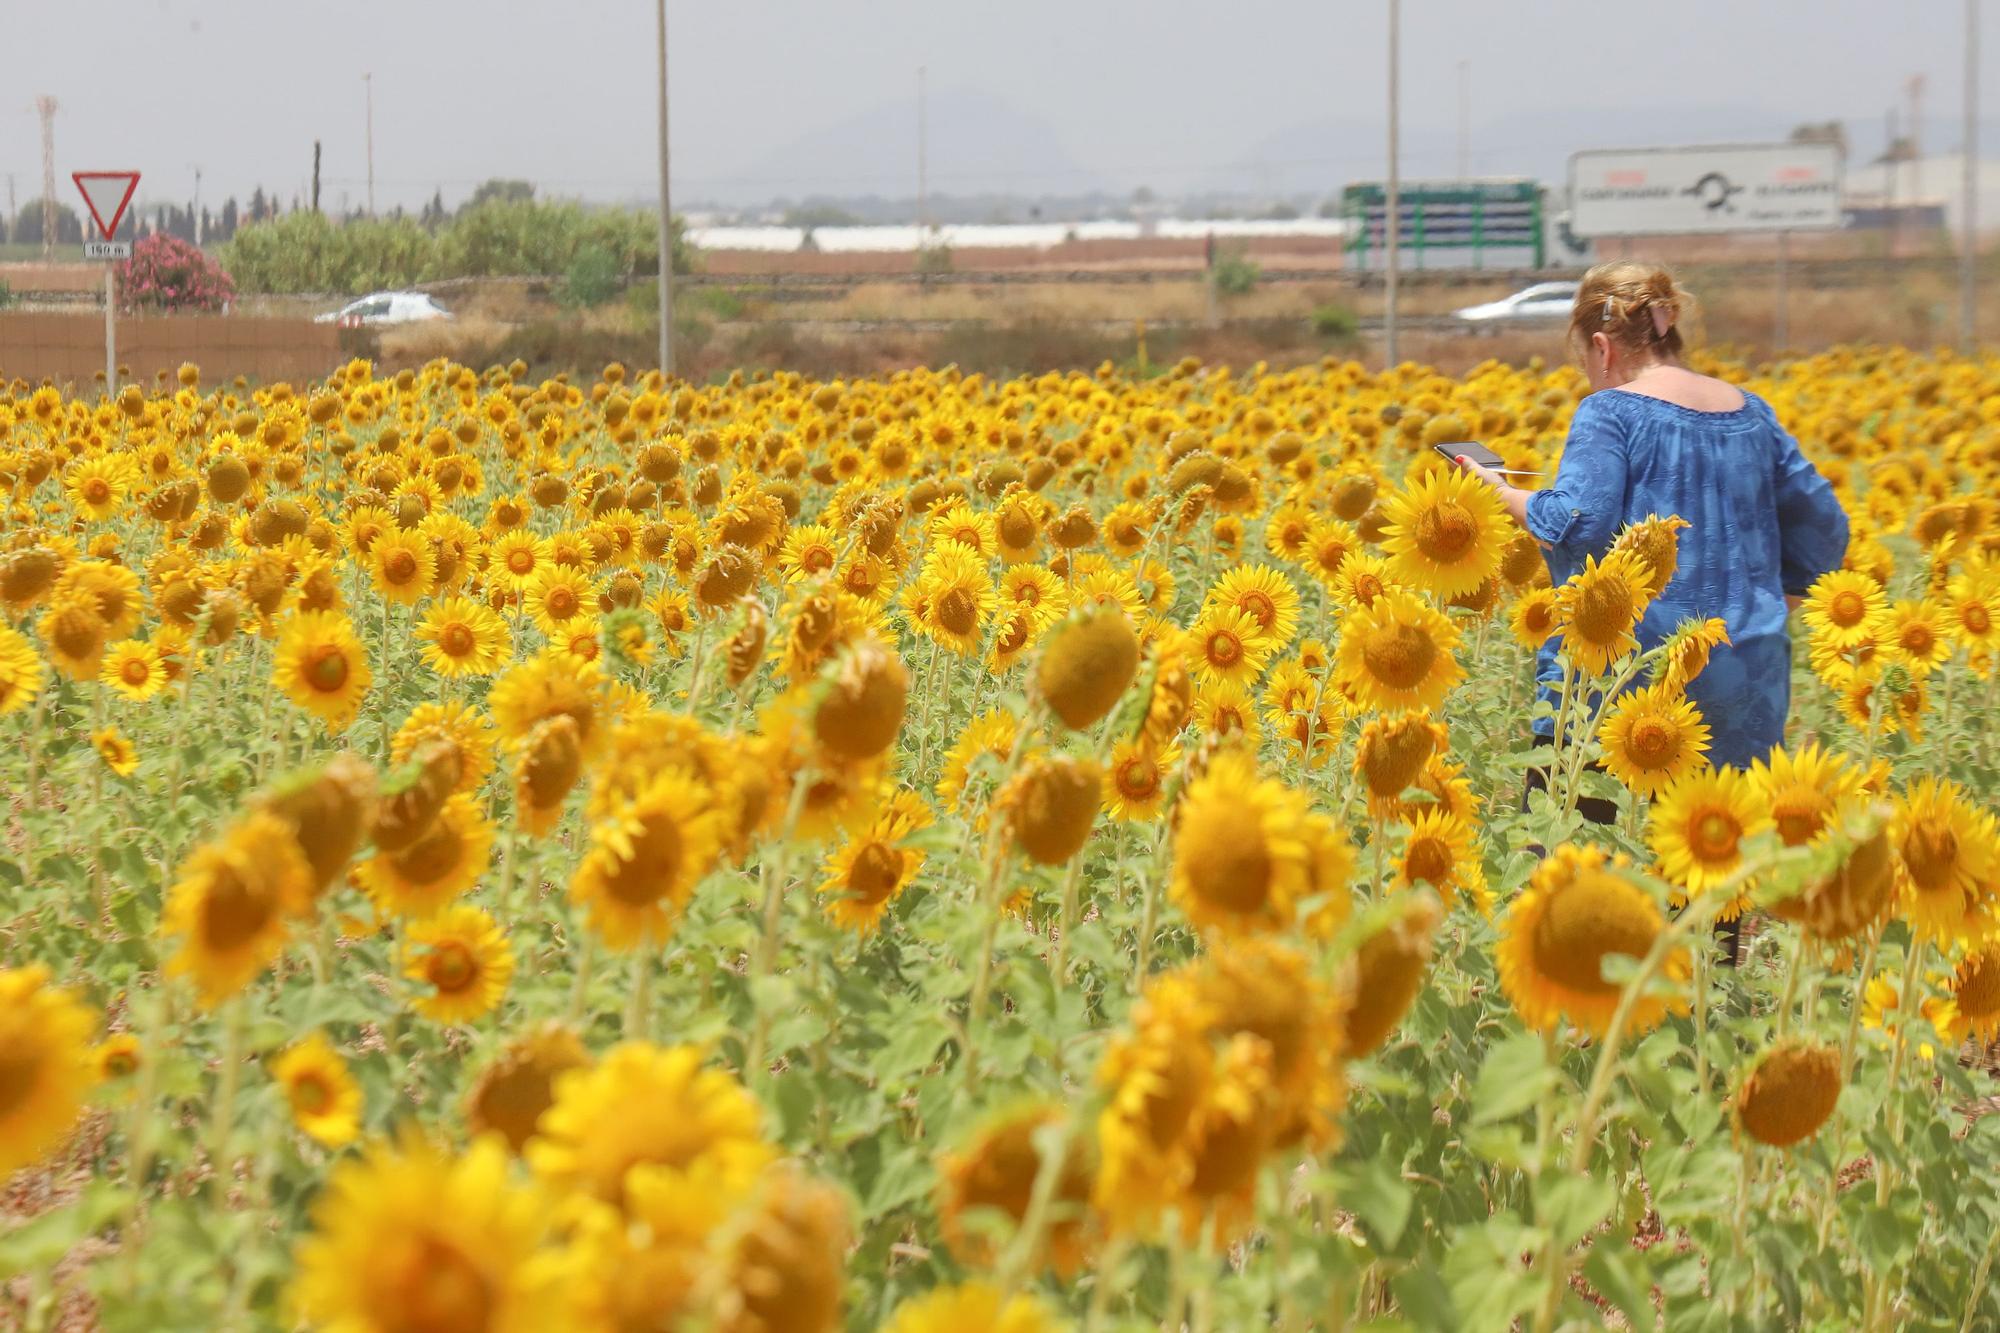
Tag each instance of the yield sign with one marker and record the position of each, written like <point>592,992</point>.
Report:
<point>106,193</point>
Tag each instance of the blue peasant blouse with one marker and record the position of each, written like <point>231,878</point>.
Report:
<point>1765,523</point>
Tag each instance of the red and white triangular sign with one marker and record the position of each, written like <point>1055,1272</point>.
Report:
<point>106,193</point>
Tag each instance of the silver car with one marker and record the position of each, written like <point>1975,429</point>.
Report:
<point>1543,303</point>
<point>383,308</point>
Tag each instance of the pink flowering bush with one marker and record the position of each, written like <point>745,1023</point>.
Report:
<point>166,273</point>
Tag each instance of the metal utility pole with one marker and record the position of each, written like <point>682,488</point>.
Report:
<point>1392,217</point>
<point>1916,154</point>
<point>1968,240</point>
<point>195,221</point>
<point>1465,120</point>
<point>47,106</point>
<point>923,147</point>
<point>666,210</point>
<point>369,80</point>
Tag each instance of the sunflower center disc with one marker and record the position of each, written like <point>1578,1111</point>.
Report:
<point>135,671</point>
<point>451,967</point>
<point>20,1072</point>
<point>457,640</point>
<point>1583,923</point>
<point>1399,656</point>
<point>1445,532</point>
<point>433,856</point>
<point>1847,609</point>
<point>1430,860</point>
<point>1715,836</point>
<point>1603,609</point>
<point>875,872</point>
<point>1931,854</point>
<point>1654,743</point>
<point>311,1095</point>
<point>655,863</point>
<point>440,1291</point>
<point>1976,619</point>
<point>231,915</point>
<point>401,566</point>
<point>957,612</point>
<point>1977,993</point>
<point>326,669</point>
<point>521,561</point>
<point>1224,649</point>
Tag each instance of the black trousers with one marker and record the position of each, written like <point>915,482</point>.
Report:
<point>1596,809</point>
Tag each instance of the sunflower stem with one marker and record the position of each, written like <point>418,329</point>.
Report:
<point>224,1120</point>
<point>774,873</point>
<point>639,1004</point>
<point>1701,1018</point>
<point>1854,1008</point>
<point>586,955</point>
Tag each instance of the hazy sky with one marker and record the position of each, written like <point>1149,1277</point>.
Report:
<point>801,96</point>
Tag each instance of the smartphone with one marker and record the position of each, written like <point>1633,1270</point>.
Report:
<point>1481,455</point>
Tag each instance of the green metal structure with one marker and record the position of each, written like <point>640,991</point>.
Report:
<point>1465,218</point>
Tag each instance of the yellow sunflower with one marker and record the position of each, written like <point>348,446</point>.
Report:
<point>116,751</point>
<point>1697,826</point>
<point>462,637</point>
<point>231,907</point>
<point>1599,607</point>
<point>956,595</point>
<point>1845,609</point>
<point>325,1100</point>
<point>1227,647</point>
<point>45,1066</point>
<point>557,596</point>
<point>1534,618</point>
<point>650,1116</point>
<point>1439,851</point>
<point>1577,911</point>
<point>442,862</point>
<point>441,1237</point>
<point>1240,853</point>
<point>1266,596</point>
<point>977,1306</point>
<point>402,566</point>
<point>133,668</point>
<point>21,672</point>
<point>1135,782</point>
<point>1652,738</point>
<point>1918,636</point>
<point>319,665</point>
<point>1946,853</point>
<point>1445,532</point>
<point>645,859</point>
<point>463,960</point>
<point>1397,653</point>
<point>515,558</point>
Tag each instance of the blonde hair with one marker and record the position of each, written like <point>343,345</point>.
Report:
<point>1637,305</point>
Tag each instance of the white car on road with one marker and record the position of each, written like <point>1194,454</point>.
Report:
<point>1543,303</point>
<point>382,308</point>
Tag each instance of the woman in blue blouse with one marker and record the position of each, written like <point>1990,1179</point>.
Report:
<point>1654,437</point>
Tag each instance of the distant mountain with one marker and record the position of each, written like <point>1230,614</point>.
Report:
<point>979,143</point>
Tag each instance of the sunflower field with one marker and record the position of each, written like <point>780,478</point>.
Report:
<point>942,854</point>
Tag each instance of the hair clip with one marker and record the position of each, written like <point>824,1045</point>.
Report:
<point>1606,318</point>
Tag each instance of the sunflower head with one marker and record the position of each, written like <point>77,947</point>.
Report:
<point>1389,971</point>
<point>1579,909</point>
<point>1050,805</point>
<point>1789,1093</point>
<point>1086,664</point>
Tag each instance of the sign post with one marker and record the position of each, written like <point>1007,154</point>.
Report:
<point>106,194</point>
<point>1777,187</point>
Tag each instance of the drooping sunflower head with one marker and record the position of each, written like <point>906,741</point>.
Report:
<point>1392,751</point>
<point>646,857</point>
<point>1657,543</point>
<point>1598,608</point>
<point>1946,851</point>
<point>1050,806</point>
<point>1086,664</point>
<point>329,809</point>
<point>1241,858</point>
<point>232,906</point>
<point>1389,971</point>
<point>1578,910</point>
<point>443,861</point>
<point>1789,1093</point>
<point>997,1167</point>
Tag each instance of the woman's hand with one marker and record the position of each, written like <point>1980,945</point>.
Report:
<point>1513,497</point>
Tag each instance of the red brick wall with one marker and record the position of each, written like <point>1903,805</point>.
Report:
<point>70,347</point>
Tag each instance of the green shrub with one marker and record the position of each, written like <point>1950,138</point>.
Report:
<point>1235,274</point>
<point>593,277</point>
<point>1336,322</point>
<point>6,294</point>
